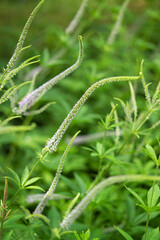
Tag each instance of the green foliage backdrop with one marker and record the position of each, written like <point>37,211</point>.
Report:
<point>119,122</point>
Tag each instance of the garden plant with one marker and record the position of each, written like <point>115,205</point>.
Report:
<point>79,126</point>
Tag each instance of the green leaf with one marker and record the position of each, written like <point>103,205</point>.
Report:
<point>146,208</point>
<point>142,218</point>
<point>13,180</point>
<point>35,187</point>
<point>8,235</point>
<point>81,183</point>
<point>87,235</point>
<point>15,176</point>
<point>25,175</point>
<point>124,234</point>
<point>151,153</point>
<point>32,180</point>
<point>152,234</point>
<point>136,195</point>
<point>76,235</point>
<point>99,148</point>
<point>12,219</point>
<point>70,183</point>
<point>153,195</point>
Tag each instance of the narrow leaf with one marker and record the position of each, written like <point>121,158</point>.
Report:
<point>35,187</point>
<point>76,235</point>
<point>25,175</point>
<point>124,234</point>
<point>153,195</point>
<point>87,234</point>
<point>81,183</point>
<point>15,176</point>
<point>151,153</point>
<point>32,180</point>
<point>152,234</point>
<point>135,195</point>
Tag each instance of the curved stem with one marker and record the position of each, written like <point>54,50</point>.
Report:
<point>14,196</point>
<point>31,98</point>
<point>77,211</point>
<point>54,141</point>
<point>147,223</point>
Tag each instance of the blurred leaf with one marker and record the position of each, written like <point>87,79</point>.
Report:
<point>70,183</point>
<point>135,195</point>
<point>24,176</point>
<point>15,176</point>
<point>124,234</point>
<point>76,235</point>
<point>8,235</point>
<point>151,153</point>
<point>35,187</point>
<point>153,195</point>
<point>152,234</point>
<point>32,180</point>
<point>81,183</point>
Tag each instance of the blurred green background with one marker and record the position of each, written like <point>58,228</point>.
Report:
<point>138,38</point>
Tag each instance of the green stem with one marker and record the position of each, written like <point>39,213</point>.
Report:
<point>100,169</point>
<point>14,196</point>
<point>123,145</point>
<point>77,211</point>
<point>104,139</point>
<point>144,120</point>
<point>147,223</point>
<point>36,164</point>
<point>2,221</point>
<point>135,130</point>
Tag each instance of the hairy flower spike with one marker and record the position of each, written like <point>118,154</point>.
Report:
<point>157,91</point>
<point>50,192</point>
<point>126,110</point>
<point>31,98</point>
<point>145,86</point>
<point>117,24</point>
<point>133,100</point>
<point>13,72</point>
<point>77,211</point>
<point>72,26</point>
<point>22,38</point>
<point>117,130</point>
<point>54,141</point>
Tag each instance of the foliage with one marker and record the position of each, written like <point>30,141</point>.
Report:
<point>106,183</point>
